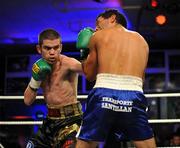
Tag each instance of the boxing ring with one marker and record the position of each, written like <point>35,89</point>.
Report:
<point>83,97</point>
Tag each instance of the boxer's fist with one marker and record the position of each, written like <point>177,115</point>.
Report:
<point>83,38</point>
<point>82,41</point>
<point>40,70</point>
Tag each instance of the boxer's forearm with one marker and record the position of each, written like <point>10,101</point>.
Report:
<point>29,95</point>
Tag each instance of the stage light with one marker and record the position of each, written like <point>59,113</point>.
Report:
<point>154,3</point>
<point>161,19</point>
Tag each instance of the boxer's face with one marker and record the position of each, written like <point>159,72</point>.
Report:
<point>50,50</point>
<point>103,23</point>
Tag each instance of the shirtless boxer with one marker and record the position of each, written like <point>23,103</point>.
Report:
<point>116,105</point>
<point>57,74</point>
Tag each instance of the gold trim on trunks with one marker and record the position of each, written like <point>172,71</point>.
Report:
<point>63,112</point>
<point>62,134</point>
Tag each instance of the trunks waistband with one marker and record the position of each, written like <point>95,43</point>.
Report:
<point>119,82</point>
<point>65,111</point>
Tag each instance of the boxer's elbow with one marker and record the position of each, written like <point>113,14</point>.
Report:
<point>90,77</point>
<point>28,103</point>
<point>27,100</point>
<point>90,73</point>
<point>29,97</point>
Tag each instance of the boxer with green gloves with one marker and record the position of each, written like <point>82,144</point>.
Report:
<point>40,70</point>
<point>83,40</point>
<point>57,75</point>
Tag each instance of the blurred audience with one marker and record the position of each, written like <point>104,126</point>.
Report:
<point>175,139</point>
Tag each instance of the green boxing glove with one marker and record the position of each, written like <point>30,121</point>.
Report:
<point>83,40</point>
<point>40,70</point>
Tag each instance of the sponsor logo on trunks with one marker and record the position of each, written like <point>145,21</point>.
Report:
<point>117,105</point>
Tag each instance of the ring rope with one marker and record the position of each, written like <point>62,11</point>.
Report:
<point>163,95</point>
<point>84,97</point>
<point>40,122</point>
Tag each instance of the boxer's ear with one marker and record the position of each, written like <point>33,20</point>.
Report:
<point>113,19</point>
<point>38,48</point>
